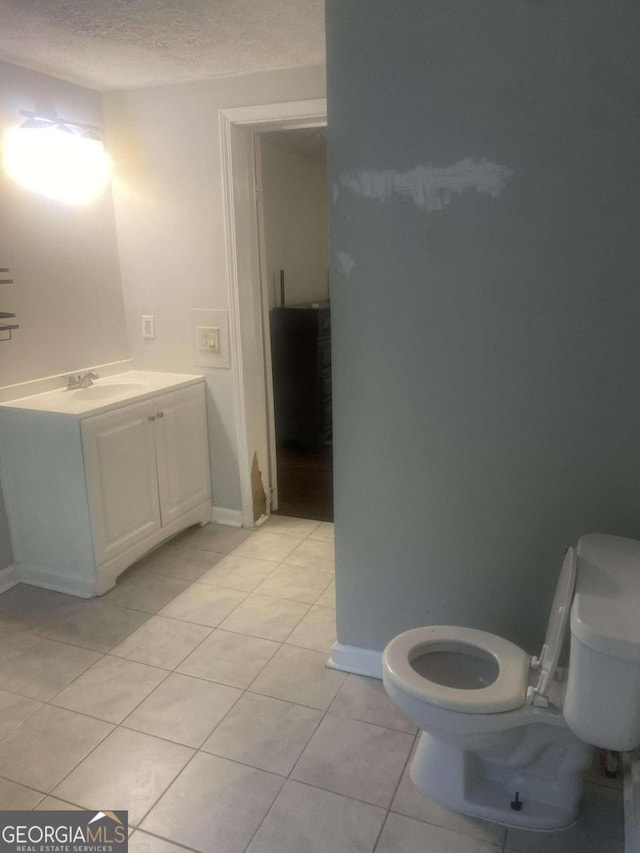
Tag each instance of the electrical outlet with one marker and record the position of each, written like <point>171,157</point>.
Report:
<point>148,326</point>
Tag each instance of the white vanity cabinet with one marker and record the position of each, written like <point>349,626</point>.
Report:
<point>146,465</point>
<point>89,494</point>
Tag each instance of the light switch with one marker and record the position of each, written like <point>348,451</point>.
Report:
<point>209,330</point>
<point>209,338</point>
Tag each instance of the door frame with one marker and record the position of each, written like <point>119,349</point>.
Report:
<point>249,362</point>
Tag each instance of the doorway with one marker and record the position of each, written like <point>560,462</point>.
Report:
<point>248,300</point>
<point>291,174</point>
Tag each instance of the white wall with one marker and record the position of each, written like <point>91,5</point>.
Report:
<point>169,212</point>
<point>295,224</point>
<point>63,259</point>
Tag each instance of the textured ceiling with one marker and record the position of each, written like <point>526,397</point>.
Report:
<point>124,44</point>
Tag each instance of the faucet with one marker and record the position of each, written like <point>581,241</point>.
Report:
<point>78,380</point>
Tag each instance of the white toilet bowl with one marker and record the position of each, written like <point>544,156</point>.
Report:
<point>495,742</point>
<point>483,750</point>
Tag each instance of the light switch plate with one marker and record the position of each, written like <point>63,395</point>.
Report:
<point>210,337</point>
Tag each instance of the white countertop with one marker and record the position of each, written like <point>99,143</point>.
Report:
<point>105,394</point>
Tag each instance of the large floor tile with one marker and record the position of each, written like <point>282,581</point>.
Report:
<point>214,805</point>
<point>14,710</point>
<point>267,733</point>
<point>41,751</point>
<point>44,669</point>
<point>24,607</point>
<point>183,709</point>
<point>54,804</point>
<point>110,689</point>
<point>237,572</point>
<point>233,659</point>
<point>316,631</point>
<point>290,526</point>
<point>266,617</point>
<point>144,591</point>
<point>267,546</point>
<point>204,604</point>
<point>411,802</point>
<point>324,532</point>
<point>365,699</point>
<point>180,562</point>
<point>92,624</point>
<point>307,820</point>
<point>13,642</point>
<point>328,597</point>
<point>213,537</point>
<point>162,642</point>
<point>313,554</point>
<point>356,759</point>
<point>599,828</point>
<point>300,676</point>
<point>405,835</point>
<point>296,583</point>
<point>16,797</point>
<point>129,770</point>
<point>142,842</point>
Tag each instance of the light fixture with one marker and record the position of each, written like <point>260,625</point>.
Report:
<point>58,158</point>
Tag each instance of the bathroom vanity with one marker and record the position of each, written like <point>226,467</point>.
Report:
<point>96,477</point>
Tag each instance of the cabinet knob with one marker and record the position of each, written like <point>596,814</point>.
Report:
<point>151,418</point>
<point>160,414</point>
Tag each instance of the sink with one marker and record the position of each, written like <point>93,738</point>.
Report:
<point>105,394</point>
<point>106,391</point>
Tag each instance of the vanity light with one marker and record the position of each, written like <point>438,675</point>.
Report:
<point>57,158</point>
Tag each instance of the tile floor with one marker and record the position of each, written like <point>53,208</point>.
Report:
<point>195,695</point>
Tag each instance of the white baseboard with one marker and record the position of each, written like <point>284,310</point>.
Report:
<point>51,578</point>
<point>8,577</point>
<point>230,517</point>
<point>356,660</point>
<point>631,762</point>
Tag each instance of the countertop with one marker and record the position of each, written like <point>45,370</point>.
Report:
<point>105,394</point>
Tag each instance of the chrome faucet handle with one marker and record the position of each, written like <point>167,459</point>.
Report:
<point>73,381</point>
<point>86,380</point>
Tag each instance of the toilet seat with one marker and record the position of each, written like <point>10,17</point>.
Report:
<point>507,692</point>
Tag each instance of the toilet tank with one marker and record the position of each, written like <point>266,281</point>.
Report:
<point>602,703</point>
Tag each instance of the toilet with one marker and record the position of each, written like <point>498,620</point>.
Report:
<point>507,737</point>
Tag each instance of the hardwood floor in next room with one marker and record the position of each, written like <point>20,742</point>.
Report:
<point>305,483</point>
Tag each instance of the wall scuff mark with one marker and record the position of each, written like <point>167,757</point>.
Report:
<point>429,187</point>
<point>346,264</point>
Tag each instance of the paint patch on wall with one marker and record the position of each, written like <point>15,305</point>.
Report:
<point>428,187</point>
<point>346,264</point>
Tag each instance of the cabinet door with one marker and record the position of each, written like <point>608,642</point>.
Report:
<point>184,476</point>
<point>120,463</point>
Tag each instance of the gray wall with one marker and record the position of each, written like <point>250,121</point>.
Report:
<point>484,164</point>
<point>6,553</point>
